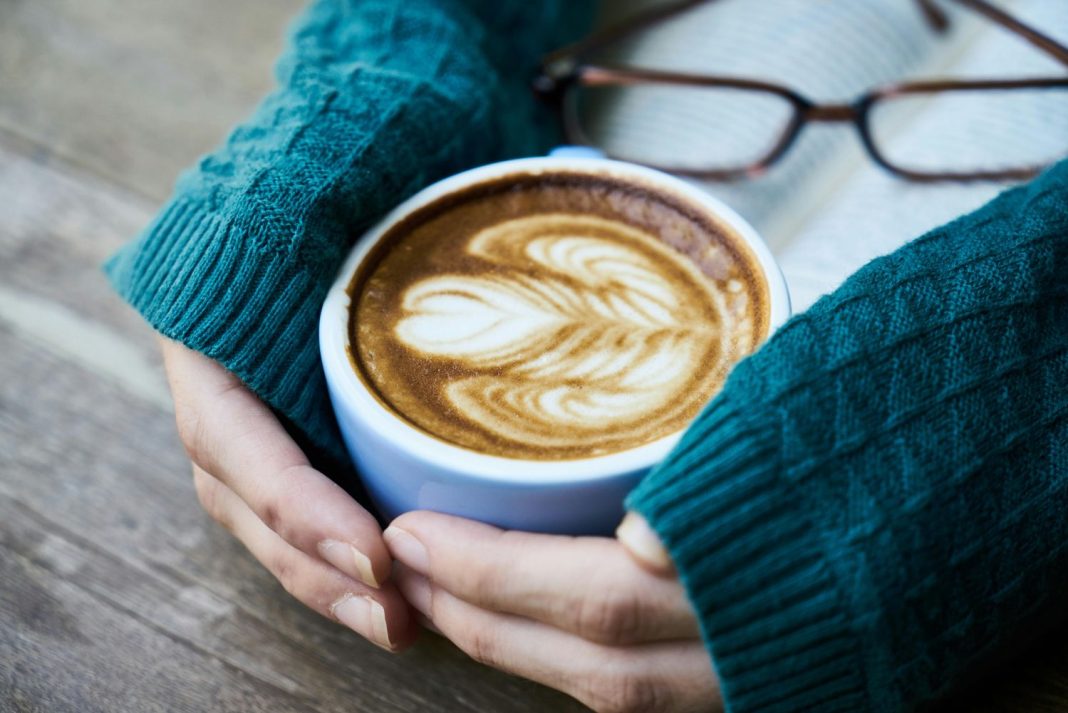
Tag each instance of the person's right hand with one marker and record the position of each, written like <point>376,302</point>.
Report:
<point>253,479</point>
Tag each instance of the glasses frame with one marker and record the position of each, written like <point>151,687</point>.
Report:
<point>565,70</point>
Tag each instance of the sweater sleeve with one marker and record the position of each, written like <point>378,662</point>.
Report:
<point>875,507</point>
<point>375,99</point>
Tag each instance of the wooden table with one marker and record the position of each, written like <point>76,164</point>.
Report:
<point>116,592</point>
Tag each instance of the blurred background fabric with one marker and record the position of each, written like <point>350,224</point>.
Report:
<point>826,209</point>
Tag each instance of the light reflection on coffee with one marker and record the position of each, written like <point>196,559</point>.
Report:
<point>554,316</point>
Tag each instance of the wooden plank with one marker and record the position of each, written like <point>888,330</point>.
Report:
<point>135,89</point>
<point>57,225</point>
<point>63,649</point>
<point>96,490</point>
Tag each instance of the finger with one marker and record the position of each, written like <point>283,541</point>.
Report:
<point>231,434</point>
<point>675,676</point>
<point>589,586</point>
<point>379,615</point>
<point>644,545</point>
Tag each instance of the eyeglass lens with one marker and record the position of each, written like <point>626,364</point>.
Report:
<point>684,127</point>
<point>970,131</point>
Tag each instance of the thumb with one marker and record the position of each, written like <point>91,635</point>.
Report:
<point>644,545</point>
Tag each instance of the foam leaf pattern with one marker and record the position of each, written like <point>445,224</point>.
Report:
<point>578,326</point>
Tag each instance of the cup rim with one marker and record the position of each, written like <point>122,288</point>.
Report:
<point>353,395</point>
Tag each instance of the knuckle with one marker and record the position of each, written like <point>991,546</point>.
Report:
<point>276,505</point>
<point>281,503</point>
<point>285,570</point>
<point>609,616</point>
<point>190,431</point>
<point>486,578</point>
<point>626,694</point>
<point>270,511</point>
<point>481,645</point>
<point>486,582</point>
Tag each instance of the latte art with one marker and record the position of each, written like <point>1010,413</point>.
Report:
<point>544,329</point>
<point>577,331</point>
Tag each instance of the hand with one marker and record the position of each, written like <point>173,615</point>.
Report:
<point>603,621</point>
<point>253,479</point>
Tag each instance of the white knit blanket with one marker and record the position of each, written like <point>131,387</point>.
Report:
<point>825,210</point>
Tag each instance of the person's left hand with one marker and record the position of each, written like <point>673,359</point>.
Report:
<point>603,620</point>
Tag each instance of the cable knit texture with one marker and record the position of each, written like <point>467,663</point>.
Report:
<point>876,505</point>
<point>376,99</point>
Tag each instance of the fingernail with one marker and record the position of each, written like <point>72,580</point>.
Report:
<point>349,560</point>
<point>405,547</point>
<point>378,625</point>
<point>644,544</point>
<point>416,589</point>
<point>365,616</point>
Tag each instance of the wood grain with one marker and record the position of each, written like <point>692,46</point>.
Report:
<point>96,493</point>
<point>57,226</point>
<point>135,89</point>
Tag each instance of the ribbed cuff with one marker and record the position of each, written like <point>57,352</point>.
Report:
<point>770,610</point>
<point>196,279</point>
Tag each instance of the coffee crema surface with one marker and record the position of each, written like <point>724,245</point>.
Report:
<point>554,316</point>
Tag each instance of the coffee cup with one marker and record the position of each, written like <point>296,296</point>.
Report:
<point>520,343</point>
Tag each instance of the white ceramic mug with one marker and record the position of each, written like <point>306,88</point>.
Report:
<point>406,469</point>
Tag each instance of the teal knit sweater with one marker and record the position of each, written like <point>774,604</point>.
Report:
<point>875,507</point>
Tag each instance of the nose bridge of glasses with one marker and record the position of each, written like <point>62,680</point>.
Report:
<point>829,113</point>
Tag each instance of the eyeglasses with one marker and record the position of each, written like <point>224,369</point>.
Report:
<point>769,116</point>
